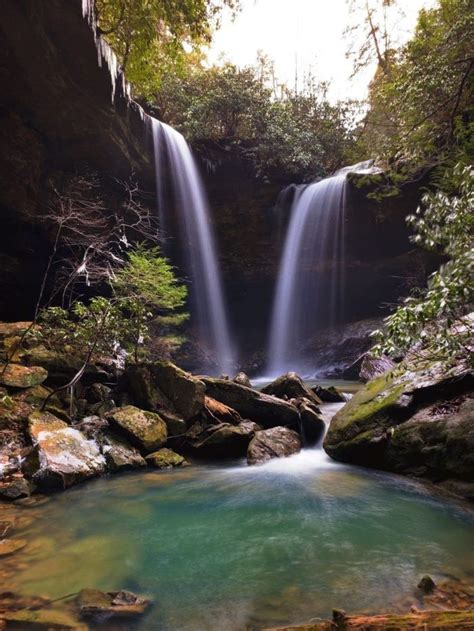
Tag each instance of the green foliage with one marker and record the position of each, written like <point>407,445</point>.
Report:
<point>151,37</point>
<point>436,320</point>
<point>145,291</point>
<point>300,135</point>
<point>420,113</point>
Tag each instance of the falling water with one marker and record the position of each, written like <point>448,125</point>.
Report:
<point>310,285</point>
<point>193,218</point>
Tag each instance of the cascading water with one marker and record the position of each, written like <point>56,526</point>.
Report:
<point>310,287</point>
<point>189,199</point>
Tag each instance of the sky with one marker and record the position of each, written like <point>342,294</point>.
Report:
<point>307,31</point>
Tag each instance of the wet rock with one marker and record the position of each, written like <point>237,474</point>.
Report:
<point>277,442</point>
<point>10,546</point>
<point>97,605</point>
<point>15,486</point>
<point>145,429</point>
<point>242,379</point>
<point>328,395</point>
<point>63,455</point>
<point>221,441</point>
<point>165,459</point>
<point>416,420</point>
<point>291,386</point>
<point>267,411</point>
<point>312,424</point>
<point>163,387</point>
<point>17,376</point>
<point>217,412</point>
<point>427,584</point>
<point>372,367</point>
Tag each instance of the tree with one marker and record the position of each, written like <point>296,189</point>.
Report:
<point>435,321</point>
<point>150,37</point>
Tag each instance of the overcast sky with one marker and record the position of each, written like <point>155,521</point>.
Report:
<point>310,31</point>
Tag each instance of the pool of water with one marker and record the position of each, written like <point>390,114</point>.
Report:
<point>237,547</point>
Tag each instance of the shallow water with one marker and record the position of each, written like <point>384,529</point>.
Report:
<point>240,547</point>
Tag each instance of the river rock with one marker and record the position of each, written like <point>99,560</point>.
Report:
<point>312,424</point>
<point>242,379</point>
<point>63,455</point>
<point>277,442</point>
<point>221,441</point>
<point>217,412</point>
<point>10,546</point>
<point>291,386</point>
<point>119,454</point>
<point>15,486</point>
<point>44,619</point>
<point>147,430</point>
<point>416,419</point>
<point>17,376</point>
<point>263,409</point>
<point>163,387</point>
<point>165,459</point>
<point>328,395</point>
<point>96,605</point>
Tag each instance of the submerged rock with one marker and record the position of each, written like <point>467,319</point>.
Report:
<point>165,459</point>
<point>43,619</point>
<point>63,455</point>
<point>10,546</point>
<point>145,429</point>
<point>291,386</point>
<point>96,605</point>
<point>415,419</point>
<point>266,410</point>
<point>277,442</point>
<point>163,386</point>
<point>17,376</point>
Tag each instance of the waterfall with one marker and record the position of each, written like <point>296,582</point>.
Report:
<point>173,156</point>
<point>310,287</point>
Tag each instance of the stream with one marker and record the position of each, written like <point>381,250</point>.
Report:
<point>235,547</point>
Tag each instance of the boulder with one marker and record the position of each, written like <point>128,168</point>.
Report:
<point>217,412</point>
<point>291,386</point>
<point>328,395</point>
<point>242,379</point>
<point>63,455</point>
<point>17,376</point>
<point>147,430</point>
<point>222,440</point>
<point>62,367</point>
<point>13,329</point>
<point>267,411</point>
<point>312,424</point>
<point>119,454</point>
<point>416,419</point>
<point>96,605</point>
<point>163,387</point>
<point>372,367</point>
<point>165,459</point>
<point>277,442</point>
<point>15,486</point>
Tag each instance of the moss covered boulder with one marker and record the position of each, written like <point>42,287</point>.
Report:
<point>416,419</point>
<point>164,388</point>
<point>165,459</point>
<point>18,376</point>
<point>63,456</point>
<point>147,430</point>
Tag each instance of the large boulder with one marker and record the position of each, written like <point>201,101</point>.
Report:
<point>416,419</point>
<point>329,394</point>
<point>147,430</point>
<point>17,376</point>
<point>266,410</point>
<point>277,442</point>
<point>222,440</point>
<point>63,455</point>
<point>163,387</point>
<point>291,386</point>
<point>372,367</point>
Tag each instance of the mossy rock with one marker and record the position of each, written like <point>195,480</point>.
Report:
<point>17,376</point>
<point>165,459</point>
<point>42,620</point>
<point>147,430</point>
